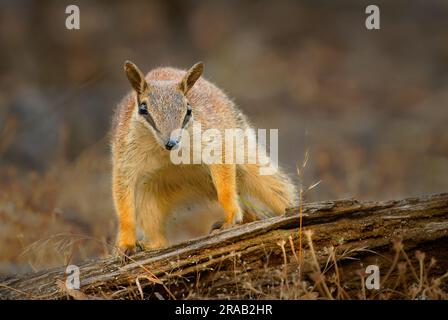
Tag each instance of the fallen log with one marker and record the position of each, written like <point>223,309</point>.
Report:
<point>251,260</point>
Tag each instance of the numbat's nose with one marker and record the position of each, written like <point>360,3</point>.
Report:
<point>170,144</point>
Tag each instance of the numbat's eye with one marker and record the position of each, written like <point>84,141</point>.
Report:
<point>143,108</point>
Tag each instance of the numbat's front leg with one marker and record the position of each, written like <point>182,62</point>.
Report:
<point>224,179</point>
<point>126,240</point>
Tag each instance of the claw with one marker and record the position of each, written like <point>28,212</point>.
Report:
<point>218,226</point>
<point>126,252</point>
<point>140,246</point>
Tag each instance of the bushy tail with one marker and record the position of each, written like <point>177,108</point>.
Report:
<point>264,196</point>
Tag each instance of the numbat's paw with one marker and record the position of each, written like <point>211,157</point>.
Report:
<point>220,225</point>
<point>125,252</point>
<point>140,246</point>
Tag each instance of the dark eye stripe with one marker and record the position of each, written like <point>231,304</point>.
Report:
<point>150,120</point>
<point>187,116</point>
<point>143,111</point>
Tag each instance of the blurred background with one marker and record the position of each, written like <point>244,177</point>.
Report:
<point>370,106</point>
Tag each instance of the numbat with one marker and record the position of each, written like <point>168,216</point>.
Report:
<point>150,191</point>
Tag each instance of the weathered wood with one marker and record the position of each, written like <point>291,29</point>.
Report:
<point>168,273</point>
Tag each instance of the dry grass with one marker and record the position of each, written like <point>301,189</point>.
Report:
<point>62,216</point>
<point>342,276</point>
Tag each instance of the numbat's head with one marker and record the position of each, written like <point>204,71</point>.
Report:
<point>162,106</point>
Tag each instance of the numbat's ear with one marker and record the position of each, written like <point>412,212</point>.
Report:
<point>191,77</point>
<point>136,77</point>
